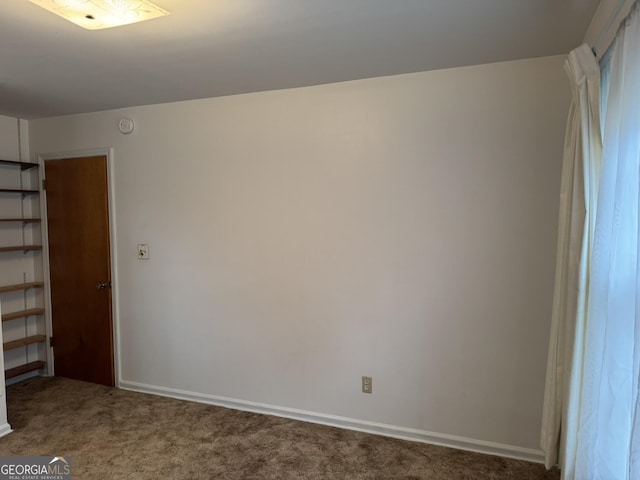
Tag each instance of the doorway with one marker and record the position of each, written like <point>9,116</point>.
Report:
<point>77,205</point>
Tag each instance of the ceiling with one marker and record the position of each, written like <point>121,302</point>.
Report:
<point>209,48</point>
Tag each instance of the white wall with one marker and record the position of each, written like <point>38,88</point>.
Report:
<point>400,227</point>
<point>9,138</point>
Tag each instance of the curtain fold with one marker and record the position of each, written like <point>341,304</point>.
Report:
<point>608,440</point>
<point>591,417</point>
<point>578,194</point>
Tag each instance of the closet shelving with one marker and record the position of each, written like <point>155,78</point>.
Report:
<point>32,331</point>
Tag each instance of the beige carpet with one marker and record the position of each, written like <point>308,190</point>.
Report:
<point>115,434</point>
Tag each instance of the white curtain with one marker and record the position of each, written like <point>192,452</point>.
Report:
<point>608,434</point>
<point>592,409</point>
<point>578,195</point>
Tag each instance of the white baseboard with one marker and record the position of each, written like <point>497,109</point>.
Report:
<point>444,440</point>
<point>5,429</point>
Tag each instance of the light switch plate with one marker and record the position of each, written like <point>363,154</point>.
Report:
<point>143,251</point>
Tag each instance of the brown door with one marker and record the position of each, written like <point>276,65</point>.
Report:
<point>80,268</point>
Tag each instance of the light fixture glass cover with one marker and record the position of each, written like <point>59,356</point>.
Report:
<point>97,14</point>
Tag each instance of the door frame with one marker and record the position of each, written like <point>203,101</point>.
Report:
<point>44,226</point>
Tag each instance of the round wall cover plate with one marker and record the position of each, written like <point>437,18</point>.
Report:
<point>125,125</point>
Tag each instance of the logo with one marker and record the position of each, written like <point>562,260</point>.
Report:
<point>35,468</point>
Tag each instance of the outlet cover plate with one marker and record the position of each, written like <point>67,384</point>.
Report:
<point>367,385</point>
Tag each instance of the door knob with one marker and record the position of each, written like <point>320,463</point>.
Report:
<point>102,285</point>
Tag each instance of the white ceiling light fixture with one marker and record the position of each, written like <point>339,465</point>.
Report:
<point>98,14</point>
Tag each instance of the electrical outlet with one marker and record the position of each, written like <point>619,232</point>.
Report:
<point>367,385</point>
<point>143,251</point>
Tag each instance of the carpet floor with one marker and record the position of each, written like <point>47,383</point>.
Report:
<point>116,434</point>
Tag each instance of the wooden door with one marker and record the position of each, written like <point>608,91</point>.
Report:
<point>80,268</point>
